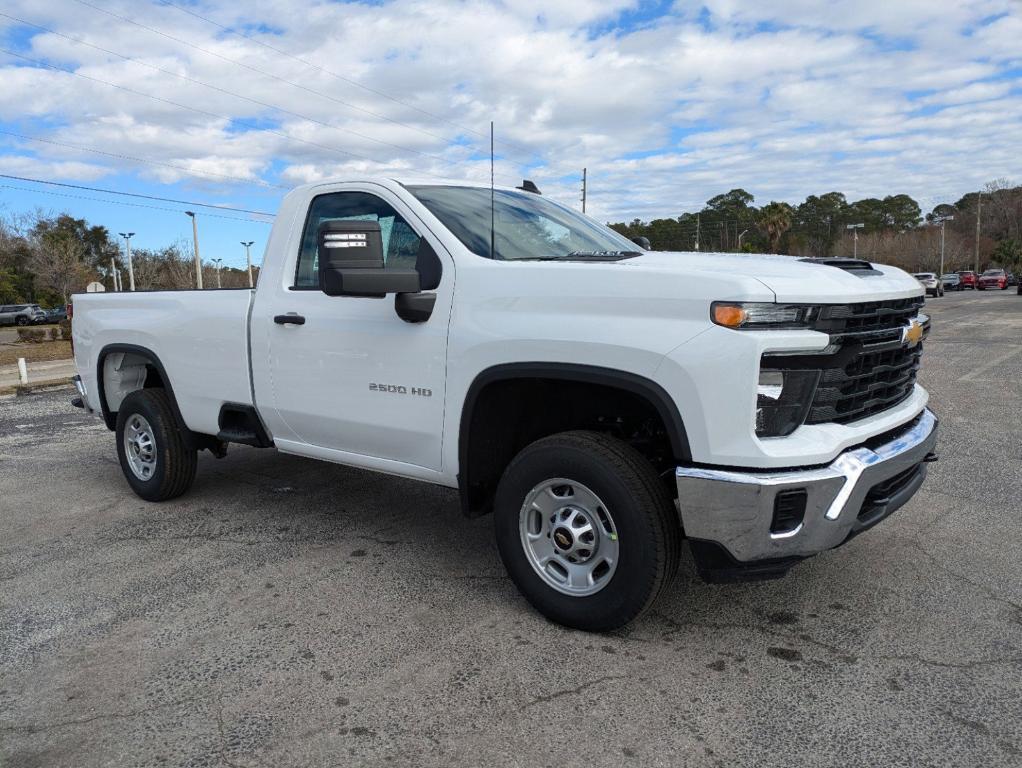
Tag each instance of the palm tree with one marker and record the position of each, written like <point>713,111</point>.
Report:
<point>774,220</point>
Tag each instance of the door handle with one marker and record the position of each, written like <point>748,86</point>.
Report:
<point>289,319</point>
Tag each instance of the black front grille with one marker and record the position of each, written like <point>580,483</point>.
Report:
<point>871,322</point>
<point>870,383</point>
<point>869,369</point>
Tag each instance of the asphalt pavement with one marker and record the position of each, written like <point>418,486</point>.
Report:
<point>290,612</point>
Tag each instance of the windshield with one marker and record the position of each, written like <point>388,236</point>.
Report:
<point>925,276</point>
<point>993,273</point>
<point>525,225</point>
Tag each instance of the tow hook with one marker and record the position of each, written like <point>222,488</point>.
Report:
<point>930,458</point>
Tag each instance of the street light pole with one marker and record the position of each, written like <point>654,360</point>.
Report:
<point>218,263</point>
<point>248,259</point>
<point>744,233</point>
<point>855,238</point>
<point>195,241</point>
<point>127,252</point>
<point>941,220</point>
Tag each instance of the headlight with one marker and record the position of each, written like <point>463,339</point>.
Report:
<point>749,316</point>
<point>783,399</point>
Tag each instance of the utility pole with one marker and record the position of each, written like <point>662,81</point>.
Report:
<point>855,238</point>
<point>195,241</point>
<point>218,262</point>
<point>127,251</point>
<point>583,190</point>
<point>940,220</point>
<point>113,273</point>
<point>248,259</point>
<point>979,209</point>
<point>697,231</point>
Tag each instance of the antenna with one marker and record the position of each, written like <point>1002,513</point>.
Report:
<point>491,191</point>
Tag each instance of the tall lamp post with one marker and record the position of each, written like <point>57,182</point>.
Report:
<point>940,220</point>
<point>195,241</point>
<point>248,258</point>
<point>127,252</point>
<point>218,262</point>
<point>743,234</point>
<point>855,238</point>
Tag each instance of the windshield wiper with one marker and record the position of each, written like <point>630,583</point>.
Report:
<point>579,255</point>
<point>599,255</point>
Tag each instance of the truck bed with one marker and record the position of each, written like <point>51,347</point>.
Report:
<point>199,337</point>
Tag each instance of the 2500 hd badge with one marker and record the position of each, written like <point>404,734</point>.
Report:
<point>398,389</point>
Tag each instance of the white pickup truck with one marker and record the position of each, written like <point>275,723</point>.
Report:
<point>603,401</point>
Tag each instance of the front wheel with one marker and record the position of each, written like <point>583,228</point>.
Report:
<point>156,458</point>
<point>21,321</point>
<point>586,530</point>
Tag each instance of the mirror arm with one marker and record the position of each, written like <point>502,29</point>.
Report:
<point>414,307</point>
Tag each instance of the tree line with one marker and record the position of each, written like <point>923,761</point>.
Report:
<point>44,258</point>
<point>893,230</point>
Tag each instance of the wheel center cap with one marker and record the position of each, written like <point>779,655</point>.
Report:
<point>563,538</point>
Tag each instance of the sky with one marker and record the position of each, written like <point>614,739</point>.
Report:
<point>666,104</point>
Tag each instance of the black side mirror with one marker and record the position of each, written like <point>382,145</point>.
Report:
<point>642,242</point>
<point>351,262</point>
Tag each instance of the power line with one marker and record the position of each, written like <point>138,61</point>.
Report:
<point>342,78</point>
<point>143,160</point>
<point>264,74</point>
<point>121,202</point>
<point>135,194</point>
<point>203,112</point>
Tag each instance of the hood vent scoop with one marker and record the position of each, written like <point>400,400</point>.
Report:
<point>857,267</point>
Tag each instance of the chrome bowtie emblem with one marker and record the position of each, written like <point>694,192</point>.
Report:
<point>912,333</point>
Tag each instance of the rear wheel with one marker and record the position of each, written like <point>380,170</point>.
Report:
<point>586,530</point>
<point>155,456</point>
<point>22,320</point>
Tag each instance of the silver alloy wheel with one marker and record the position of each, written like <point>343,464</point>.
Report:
<point>569,537</point>
<point>140,447</point>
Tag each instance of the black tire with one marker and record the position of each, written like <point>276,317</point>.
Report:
<point>175,459</point>
<point>21,321</point>
<point>644,515</point>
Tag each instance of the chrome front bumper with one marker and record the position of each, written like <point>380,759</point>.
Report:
<point>736,509</point>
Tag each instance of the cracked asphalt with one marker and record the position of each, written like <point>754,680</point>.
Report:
<point>287,612</point>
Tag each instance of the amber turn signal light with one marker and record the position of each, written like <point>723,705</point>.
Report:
<point>729,315</point>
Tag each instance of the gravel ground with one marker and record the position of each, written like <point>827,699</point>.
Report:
<point>288,612</point>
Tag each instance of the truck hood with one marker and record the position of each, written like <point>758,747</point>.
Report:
<point>791,279</point>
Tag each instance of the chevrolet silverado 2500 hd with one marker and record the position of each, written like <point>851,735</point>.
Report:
<point>602,401</point>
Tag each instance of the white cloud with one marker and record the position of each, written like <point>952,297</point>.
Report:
<point>784,99</point>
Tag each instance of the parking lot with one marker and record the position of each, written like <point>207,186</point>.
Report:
<point>289,612</point>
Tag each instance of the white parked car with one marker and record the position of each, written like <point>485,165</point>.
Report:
<point>933,285</point>
<point>603,402</point>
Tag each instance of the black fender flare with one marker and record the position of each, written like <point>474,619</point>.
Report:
<point>589,374</point>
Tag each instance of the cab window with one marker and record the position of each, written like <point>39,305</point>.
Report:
<point>400,241</point>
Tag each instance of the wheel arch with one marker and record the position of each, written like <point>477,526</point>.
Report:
<point>633,384</point>
<point>153,365</point>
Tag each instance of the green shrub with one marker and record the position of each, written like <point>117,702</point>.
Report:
<point>65,330</point>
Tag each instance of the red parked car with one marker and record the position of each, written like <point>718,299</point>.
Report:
<point>967,279</point>
<point>993,278</point>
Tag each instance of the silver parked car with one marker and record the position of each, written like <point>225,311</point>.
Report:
<point>951,281</point>
<point>21,314</point>
<point>933,286</point>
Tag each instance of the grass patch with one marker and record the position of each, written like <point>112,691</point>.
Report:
<point>35,353</point>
